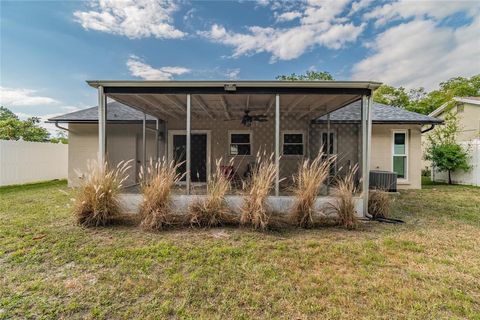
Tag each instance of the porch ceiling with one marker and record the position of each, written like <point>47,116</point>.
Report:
<point>231,106</point>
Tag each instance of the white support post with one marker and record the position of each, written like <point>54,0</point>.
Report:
<point>144,140</point>
<point>189,133</point>
<point>365,150</point>
<point>277,144</point>
<point>157,129</point>
<point>328,151</point>
<point>369,149</point>
<point>102,120</point>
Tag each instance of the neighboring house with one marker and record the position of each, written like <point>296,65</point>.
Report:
<point>467,110</point>
<point>395,135</point>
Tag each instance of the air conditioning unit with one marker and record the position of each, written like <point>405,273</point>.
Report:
<point>383,180</point>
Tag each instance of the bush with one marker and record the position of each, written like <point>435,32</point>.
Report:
<point>157,182</point>
<point>344,205</point>
<point>96,201</point>
<point>212,211</point>
<point>309,179</point>
<point>379,204</point>
<point>254,211</point>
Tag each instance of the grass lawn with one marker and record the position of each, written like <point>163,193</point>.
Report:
<point>428,268</point>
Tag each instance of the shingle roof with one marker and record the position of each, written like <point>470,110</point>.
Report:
<point>381,113</point>
<point>115,112</point>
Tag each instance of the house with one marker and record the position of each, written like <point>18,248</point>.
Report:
<point>202,121</point>
<point>467,110</point>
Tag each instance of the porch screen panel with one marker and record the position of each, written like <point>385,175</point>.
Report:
<point>337,138</point>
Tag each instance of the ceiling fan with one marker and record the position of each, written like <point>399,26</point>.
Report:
<point>247,119</point>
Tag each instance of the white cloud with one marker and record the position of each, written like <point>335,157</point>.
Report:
<point>131,18</point>
<point>319,25</point>
<point>20,97</point>
<point>420,53</point>
<point>436,10</point>
<point>232,74</point>
<point>288,16</point>
<point>140,69</point>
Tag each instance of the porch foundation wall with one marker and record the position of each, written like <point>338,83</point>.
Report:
<point>280,205</point>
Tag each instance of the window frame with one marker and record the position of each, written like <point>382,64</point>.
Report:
<point>406,154</point>
<point>230,133</point>
<point>283,142</point>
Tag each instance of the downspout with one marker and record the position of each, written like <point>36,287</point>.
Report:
<point>429,129</point>
<point>60,127</point>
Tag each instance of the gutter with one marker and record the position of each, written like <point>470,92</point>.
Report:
<point>60,127</point>
<point>428,129</point>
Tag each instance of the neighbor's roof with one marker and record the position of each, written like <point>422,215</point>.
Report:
<point>239,84</point>
<point>115,112</point>
<point>470,100</point>
<point>381,113</point>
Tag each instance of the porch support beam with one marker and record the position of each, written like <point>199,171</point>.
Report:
<point>226,107</point>
<point>144,140</point>
<point>199,100</point>
<point>189,133</point>
<point>102,123</point>
<point>269,105</point>
<point>328,151</point>
<point>156,108</point>
<point>366,138</point>
<point>277,144</point>
<point>295,103</point>
<point>157,132</point>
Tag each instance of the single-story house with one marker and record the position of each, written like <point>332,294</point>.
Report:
<point>467,110</point>
<point>202,121</point>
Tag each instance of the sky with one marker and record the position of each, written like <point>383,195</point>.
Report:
<point>49,49</point>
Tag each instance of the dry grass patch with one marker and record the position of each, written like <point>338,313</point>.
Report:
<point>157,183</point>
<point>344,205</point>
<point>309,179</point>
<point>254,211</point>
<point>212,211</point>
<point>96,200</point>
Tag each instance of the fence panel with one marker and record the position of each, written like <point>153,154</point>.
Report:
<point>27,162</point>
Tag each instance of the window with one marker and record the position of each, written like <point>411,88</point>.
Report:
<point>326,144</point>
<point>240,143</point>
<point>293,143</point>
<point>400,154</point>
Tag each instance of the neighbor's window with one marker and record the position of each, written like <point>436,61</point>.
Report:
<point>400,154</point>
<point>293,143</point>
<point>240,143</point>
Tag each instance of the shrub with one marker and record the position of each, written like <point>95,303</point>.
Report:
<point>212,211</point>
<point>96,201</point>
<point>344,205</point>
<point>254,211</point>
<point>309,179</point>
<point>157,182</point>
<point>379,204</point>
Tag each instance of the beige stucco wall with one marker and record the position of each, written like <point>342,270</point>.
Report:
<point>382,159</point>
<point>123,143</point>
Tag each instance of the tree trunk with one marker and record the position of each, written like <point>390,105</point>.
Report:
<point>449,177</point>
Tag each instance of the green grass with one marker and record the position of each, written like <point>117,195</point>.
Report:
<point>428,268</point>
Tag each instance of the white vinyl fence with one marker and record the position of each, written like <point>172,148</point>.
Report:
<point>26,162</point>
<point>471,177</point>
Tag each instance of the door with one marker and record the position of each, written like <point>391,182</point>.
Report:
<point>198,155</point>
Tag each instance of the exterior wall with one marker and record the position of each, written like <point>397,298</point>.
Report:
<point>469,119</point>
<point>26,162</point>
<point>124,142</point>
<point>382,158</point>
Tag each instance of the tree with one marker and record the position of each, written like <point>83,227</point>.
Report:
<point>391,96</point>
<point>309,76</point>
<point>12,128</point>
<point>60,138</point>
<point>443,150</point>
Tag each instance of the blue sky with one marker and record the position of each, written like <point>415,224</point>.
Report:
<point>48,49</point>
